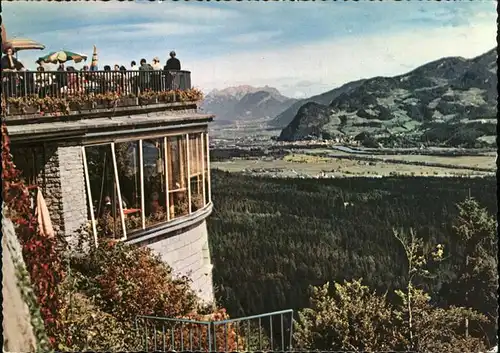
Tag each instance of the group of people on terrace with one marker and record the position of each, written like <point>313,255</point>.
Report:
<point>68,80</point>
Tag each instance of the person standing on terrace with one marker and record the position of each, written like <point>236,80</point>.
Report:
<point>156,63</point>
<point>9,63</point>
<point>173,63</point>
<point>145,76</point>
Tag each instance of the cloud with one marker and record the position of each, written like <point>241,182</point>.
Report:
<point>334,62</point>
<point>253,37</point>
<point>302,48</point>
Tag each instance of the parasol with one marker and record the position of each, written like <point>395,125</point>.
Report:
<point>93,65</point>
<point>18,44</point>
<point>62,56</point>
<point>4,37</point>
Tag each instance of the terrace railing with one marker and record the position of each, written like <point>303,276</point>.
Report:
<point>266,332</point>
<point>60,84</point>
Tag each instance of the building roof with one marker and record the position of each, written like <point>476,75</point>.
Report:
<point>106,128</point>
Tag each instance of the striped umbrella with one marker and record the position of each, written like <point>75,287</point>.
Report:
<point>62,56</point>
<point>18,44</point>
<point>93,65</point>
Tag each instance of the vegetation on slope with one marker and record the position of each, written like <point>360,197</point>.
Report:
<point>448,102</point>
<point>274,238</point>
<point>89,299</point>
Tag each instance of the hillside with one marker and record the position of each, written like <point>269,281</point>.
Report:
<point>286,117</point>
<point>234,103</point>
<point>451,101</point>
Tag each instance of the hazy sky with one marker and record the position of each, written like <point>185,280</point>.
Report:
<point>301,48</point>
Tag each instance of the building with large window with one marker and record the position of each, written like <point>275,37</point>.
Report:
<point>122,162</point>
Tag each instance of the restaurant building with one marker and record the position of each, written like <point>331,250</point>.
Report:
<point>122,156</point>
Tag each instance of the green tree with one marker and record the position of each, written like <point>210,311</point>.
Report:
<point>477,281</point>
<point>354,318</point>
<point>426,327</point>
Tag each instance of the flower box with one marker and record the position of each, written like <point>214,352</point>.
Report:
<point>100,104</point>
<point>23,110</point>
<point>148,101</point>
<point>80,106</point>
<point>167,98</point>
<point>127,102</point>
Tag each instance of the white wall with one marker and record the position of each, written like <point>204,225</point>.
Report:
<point>187,254</point>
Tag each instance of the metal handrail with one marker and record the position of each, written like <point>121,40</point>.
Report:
<point>60,84</point>
<point>210,333</point>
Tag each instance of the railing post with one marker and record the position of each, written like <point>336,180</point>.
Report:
<point>209,334</point>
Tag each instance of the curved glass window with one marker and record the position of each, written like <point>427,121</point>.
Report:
<point>157,180</point>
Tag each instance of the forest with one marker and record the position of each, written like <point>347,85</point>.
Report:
<point>272,239</point>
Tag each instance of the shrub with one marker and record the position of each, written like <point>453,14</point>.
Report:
<point>353,318</point>
<point>113,284</point>
<point>128,281</point>
<point>40,254</point>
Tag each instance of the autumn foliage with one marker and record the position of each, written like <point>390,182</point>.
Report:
<point>93,303</point>
<point>40,253</point>
<point>118,283</point>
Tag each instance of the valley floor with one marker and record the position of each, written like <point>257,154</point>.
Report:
<point>335,164</point>
<point>305,160</point>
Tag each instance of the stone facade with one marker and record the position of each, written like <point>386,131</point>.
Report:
<point>188,254</point>
<point>73,191</point>
<point>58,171</point>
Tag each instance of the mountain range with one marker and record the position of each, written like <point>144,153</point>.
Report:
<point>450,101</point>
<point>243,102</point>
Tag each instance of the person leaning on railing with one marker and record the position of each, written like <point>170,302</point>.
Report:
<point>44,81</point>
<point>145,71</point>
<point>9,62</point>
<point>173,64</point>
<point>11,82</point>
<point>75,82</point>
<point>125,81</point>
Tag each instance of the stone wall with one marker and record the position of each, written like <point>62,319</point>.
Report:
<point>59,173</point>
<point>73,191</point>
<point>187,253</point>
<point>18,333</point>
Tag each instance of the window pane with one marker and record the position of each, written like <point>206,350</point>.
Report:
<point>103,191</point>
<point>154,181</point>
<point>196,171</point>
<point>127,161</point>
<point>177,176</point>
<point>207,171</point>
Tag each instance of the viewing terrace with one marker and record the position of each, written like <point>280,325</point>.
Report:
<point>124,153</point>
<point>28,95</point>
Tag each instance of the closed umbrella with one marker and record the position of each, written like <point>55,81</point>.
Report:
<point>4,37</point>
<point>93,65</point>
<point>61,57</point>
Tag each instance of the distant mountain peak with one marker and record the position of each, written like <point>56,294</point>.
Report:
<point>240,91</point>
<point>245,101</point>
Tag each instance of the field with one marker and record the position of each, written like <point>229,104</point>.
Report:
<point>320,163</point>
